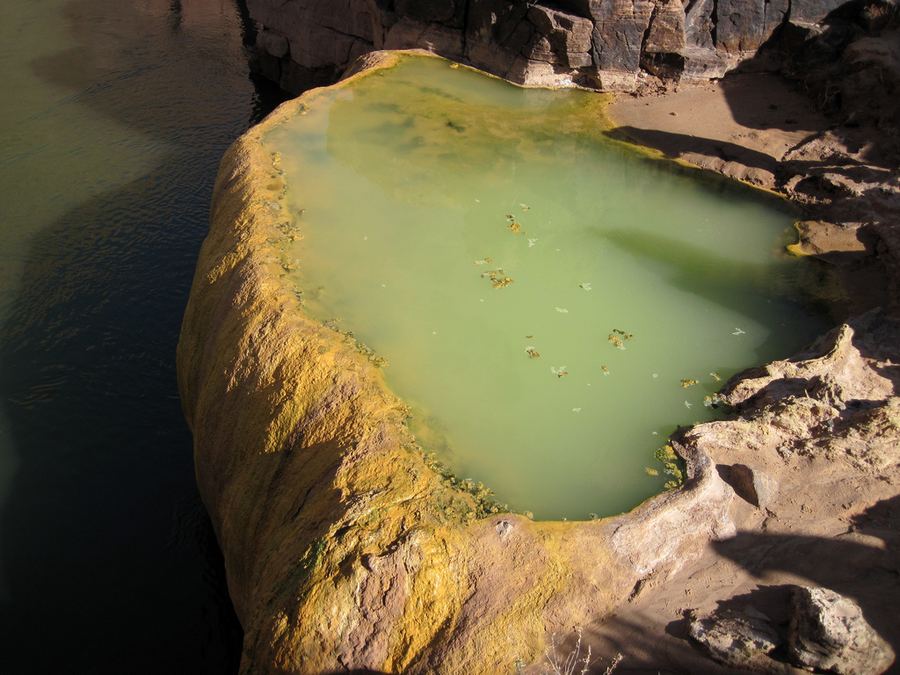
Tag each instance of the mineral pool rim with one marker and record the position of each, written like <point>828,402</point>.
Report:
<point>550,304</point>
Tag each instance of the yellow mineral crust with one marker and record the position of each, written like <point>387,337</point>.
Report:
<point>343,547</point>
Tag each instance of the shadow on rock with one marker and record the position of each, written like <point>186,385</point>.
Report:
<point>862,563</point>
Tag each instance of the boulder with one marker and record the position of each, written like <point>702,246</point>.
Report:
<point>739,639</point>
<point>829,633</point>
<point>751,485</point>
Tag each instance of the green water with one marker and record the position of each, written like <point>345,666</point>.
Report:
<point>114,117</point>
<point>411,184</point>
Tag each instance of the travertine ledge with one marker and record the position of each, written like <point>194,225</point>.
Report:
<point>345,550</point>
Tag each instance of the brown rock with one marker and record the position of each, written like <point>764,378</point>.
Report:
<point>829,633</point>
<point>753,486</point>
<point>740,639</point>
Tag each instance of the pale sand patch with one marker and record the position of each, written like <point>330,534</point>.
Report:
<point>741,126</point>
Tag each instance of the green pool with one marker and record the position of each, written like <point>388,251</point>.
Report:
<point>551,304</point>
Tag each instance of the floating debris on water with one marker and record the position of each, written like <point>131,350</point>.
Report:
<point>561,310</point>
<point>585,286</point>
<point>576,410</point>
<point>559,371</point>
<point>532,352</point>
<point>650,471</point>
<point>513,224</point>
<point>618,338</point>
<point>666,454</point>
<point>688,405</point>
<point>605,370</point>
<point>688,382</point>
<point>532,242</point>
<point>714,375</point>
<point>529,337</point>
<point>524,207</point>
<point>498,278</point>
<point>713,400</point>
<point>738,331</point>
<point>501,283</point>
<point>484,261</point>
<point>655,376</point>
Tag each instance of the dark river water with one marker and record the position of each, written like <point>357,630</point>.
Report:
<point>114,116</point>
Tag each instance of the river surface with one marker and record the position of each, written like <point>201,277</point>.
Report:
<point>551,304</point>
<point>115,114</point>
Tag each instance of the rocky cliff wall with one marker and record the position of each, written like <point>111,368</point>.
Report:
<point>605,44</point>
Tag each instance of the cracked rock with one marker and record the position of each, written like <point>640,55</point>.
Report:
<point>828,633</point>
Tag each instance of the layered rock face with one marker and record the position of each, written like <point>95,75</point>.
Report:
<point>596,43</point>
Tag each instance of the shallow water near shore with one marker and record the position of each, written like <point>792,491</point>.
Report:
<point>550,304</point>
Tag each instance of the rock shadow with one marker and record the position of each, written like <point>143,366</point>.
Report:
<point>720,280</point>
<point>862,563</point>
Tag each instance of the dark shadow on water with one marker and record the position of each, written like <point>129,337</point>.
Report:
<point>106,549</point>
<point>731,283</point>
<point>109,562</point>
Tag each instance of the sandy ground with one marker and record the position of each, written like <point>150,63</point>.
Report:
<point>742,126</point>
<point>832,523</point>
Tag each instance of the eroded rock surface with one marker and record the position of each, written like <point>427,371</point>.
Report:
<point>740,639</point>
<point>829,633</point>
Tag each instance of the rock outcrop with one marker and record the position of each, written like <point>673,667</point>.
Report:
<point>607,44</point>
<point>829,633</point>
<point>345,549</point>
